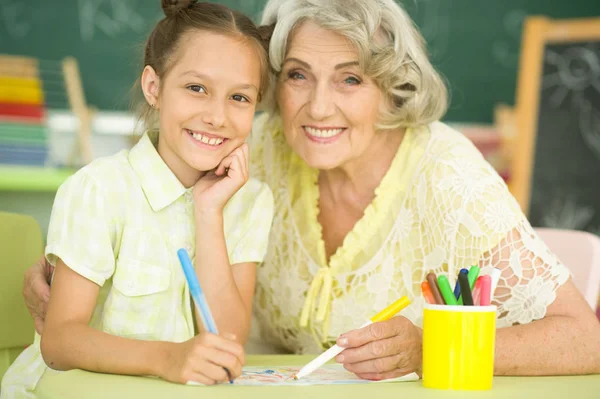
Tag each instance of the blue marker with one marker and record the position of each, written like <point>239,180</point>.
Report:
<point>198,296</point>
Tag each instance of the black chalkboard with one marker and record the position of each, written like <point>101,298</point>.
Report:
<point>566,172</point>
<point>474,43</point>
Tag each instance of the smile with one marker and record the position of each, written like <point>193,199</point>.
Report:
<point>323,135</point>
<point>206,138</point>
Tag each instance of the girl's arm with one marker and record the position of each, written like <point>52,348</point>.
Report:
<point>229,289</point>
<point>69,343</point>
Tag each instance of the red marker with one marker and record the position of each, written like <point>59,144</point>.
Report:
<point>486,290</point>
<point>477,291</point>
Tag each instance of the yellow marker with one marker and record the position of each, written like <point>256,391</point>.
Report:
<point>332,352</point>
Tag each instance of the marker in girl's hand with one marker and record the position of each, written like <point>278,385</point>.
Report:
<point>198,296</point>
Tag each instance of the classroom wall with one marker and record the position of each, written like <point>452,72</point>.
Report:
<point>474,43</point>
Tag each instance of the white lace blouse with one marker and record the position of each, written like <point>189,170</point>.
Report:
<point>440,207</point>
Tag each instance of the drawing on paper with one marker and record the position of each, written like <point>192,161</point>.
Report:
<point>283,375</point>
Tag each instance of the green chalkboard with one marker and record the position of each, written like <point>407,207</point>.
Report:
<point>474,43</point>
<point>565,193</point>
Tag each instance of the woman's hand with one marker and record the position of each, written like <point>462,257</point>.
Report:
<point>382,350</point>
<point>36,291</point>
<point>202,359</point>
<point>216,187</point>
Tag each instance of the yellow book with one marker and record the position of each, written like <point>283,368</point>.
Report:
<point>21,94</point>
<point>11,81</point>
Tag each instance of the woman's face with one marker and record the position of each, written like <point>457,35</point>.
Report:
<point>328,106</point>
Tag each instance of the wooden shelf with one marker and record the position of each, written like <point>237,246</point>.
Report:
<point>31,178</point>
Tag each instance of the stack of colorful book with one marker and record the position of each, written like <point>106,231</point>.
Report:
<point>23,132</point>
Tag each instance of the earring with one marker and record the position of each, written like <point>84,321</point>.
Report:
<point>152,105</point>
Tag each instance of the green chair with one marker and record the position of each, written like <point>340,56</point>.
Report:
<point>21,244</point>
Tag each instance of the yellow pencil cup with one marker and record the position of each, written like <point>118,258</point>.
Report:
<point>458,347</point>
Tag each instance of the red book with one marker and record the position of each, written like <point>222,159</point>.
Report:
<point>22,111</point>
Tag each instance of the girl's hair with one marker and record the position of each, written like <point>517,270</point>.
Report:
<point>391,51</point>
<point>184,16</point>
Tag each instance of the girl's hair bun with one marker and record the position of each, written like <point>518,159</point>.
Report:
<point>174,7</point>
<point>266,31</point>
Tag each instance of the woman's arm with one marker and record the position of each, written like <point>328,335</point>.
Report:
<point>565,341</point>
<point>69,343</point>
<point>36,291</point>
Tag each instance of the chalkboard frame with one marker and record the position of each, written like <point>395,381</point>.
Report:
<point>538,32</point>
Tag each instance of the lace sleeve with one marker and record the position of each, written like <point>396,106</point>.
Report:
<point>531,275</point>
<point>483,224</point>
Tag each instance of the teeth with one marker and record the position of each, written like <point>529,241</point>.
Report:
<point>207,140</point>
<point>323,132</point>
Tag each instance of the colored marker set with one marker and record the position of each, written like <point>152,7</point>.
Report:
<point>470,289</point>
<point>459,341</point>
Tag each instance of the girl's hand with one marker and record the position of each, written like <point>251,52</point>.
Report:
<point>203,359</point>
<point>216,187</point>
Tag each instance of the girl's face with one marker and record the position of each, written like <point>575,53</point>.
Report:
<point>206,101</point>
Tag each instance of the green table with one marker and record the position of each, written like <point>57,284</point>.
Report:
<point>79,384</point>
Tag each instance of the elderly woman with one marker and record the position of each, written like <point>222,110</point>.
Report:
<point>372,193</point>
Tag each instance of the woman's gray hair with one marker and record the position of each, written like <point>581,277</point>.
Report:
<point>391,51</point>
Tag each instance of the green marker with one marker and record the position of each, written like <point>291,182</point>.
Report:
<point>473,274</point>
<point>446,291</point>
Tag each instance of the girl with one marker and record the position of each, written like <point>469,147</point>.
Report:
<point>120,303</point>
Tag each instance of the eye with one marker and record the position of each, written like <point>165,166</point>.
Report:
<point>240,98</point>
<point>197,88</point>
<point>296,75</point>
<point>351,80</point>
